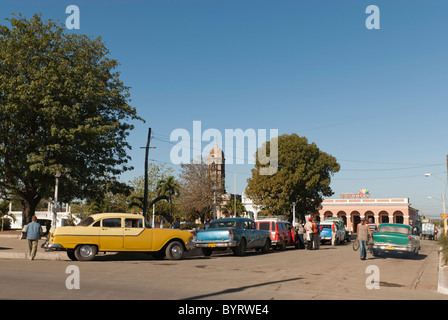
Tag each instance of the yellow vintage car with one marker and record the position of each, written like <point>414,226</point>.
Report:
<point>118,232</point>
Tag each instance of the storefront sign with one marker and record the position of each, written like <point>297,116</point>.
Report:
<point>363,193</point>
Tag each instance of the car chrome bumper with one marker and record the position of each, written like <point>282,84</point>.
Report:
<point>51,246</point>
<point>392,247</point>
<point>217,244</point>
<point>190,245</point>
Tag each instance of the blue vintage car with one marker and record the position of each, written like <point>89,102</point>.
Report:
<point>330,226</point>
<point>238,234</point>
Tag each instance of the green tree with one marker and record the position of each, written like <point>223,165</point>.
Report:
<point>229,208</point>
<point>168,189</point>
<point>156,173</point>
<point>63,108</point>
<point>196,191</point>
<point>304,175</point>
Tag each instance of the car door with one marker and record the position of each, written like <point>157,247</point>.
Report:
<point>248,233</point>
<point>136,236</point>
<point>111,234</point>
<point>283,231</point>
<point>257,240</point>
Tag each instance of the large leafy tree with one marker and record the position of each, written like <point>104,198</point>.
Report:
<point>196,198</point>
<point>303,176</point>
<point>63,108</point>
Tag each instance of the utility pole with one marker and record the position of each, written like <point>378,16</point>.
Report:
<point>145,195</point>
<point>234,190</point>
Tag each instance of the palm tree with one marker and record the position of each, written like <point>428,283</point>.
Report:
<point>229,208</point>
<point>167,190</point>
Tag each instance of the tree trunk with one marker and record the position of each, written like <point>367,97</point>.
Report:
<point>28,210</point>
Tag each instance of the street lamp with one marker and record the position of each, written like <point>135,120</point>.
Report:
<point>444,209</point>
<point>293,213</point>
<point>443,198</point>
<point>55,204</point>
<point>214,204</point>
<point>433,175</point>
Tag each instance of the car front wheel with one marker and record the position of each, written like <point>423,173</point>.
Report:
<point>71,255</point>
<point>85,252</point>
<point>174,251</point>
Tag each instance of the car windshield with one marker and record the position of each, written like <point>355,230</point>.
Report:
<point>85,222</point>
<point>394,229</point>
<point>223,224</point>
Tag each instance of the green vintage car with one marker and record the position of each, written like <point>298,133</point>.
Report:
<point>394,237</point>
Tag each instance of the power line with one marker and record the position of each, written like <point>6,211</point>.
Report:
<point>393,169</point>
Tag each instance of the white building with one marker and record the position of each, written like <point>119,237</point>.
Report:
<point>61,218</point>
<point>249,205</point>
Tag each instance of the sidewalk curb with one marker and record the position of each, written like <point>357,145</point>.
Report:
<point>39,256</point>
<point>442,286</point>
<point>62,255</point>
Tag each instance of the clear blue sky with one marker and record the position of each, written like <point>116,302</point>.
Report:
<point>374,99</point>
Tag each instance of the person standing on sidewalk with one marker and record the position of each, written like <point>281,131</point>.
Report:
<point>300,232</point>
<point>309,232</point>
<point>33,232</point>
<point>316,237</point>
<point>363,237</point>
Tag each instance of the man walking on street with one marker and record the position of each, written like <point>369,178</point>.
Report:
<point>363,237</point>
<point>33,232</point>
<point>373,229</point>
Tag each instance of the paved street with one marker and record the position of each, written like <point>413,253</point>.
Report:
<point>329,273</point>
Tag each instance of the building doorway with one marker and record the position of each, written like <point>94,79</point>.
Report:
<point>356,218</point>
<point>384,217</point>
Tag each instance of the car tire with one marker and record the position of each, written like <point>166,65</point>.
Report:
<point>71,255</point>
<point>85,252</point>
<point>174,250</point>
<point>207,252</point>
<point>241,249</point>
<point>283,246</point>
<point>267,246</point>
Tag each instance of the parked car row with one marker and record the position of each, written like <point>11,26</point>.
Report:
<point>112,232</point>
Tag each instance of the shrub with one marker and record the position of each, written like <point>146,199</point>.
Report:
<point>443,241</point>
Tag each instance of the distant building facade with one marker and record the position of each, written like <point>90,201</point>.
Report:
<point>381,210</point>
<point>216,163</point>
<point>217,167</point>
